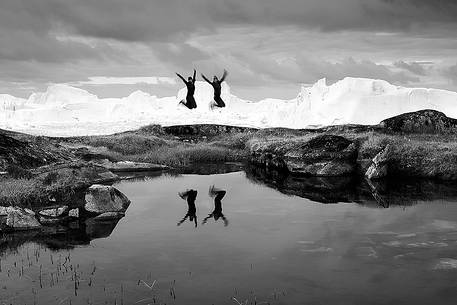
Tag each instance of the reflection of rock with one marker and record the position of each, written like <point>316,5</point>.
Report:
<point>109,216</point>
<point>61,236</point>
<point>379,165</point>
<point>51,220</point>
<point>322,156</point>
<point>376,193</point>
<point>102,198</point>
<point>17,218</point>
<point>100,228</point>
<point>319,189</point>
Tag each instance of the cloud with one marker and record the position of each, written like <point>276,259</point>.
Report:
<point>158,20</point>
<point>451,73</point>
<point>263,43</point>
<point>413,67</point>
<point>108,80</point>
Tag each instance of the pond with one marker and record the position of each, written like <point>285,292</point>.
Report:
<point>235,238</point>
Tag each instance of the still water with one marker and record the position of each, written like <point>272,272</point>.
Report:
<point>231,239</point>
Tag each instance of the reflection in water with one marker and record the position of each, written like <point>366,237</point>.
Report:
<point>59,237</point>
<point>190,196</point>
<point>385,193</point>
<point>278,250</point>
<point>217,194</point>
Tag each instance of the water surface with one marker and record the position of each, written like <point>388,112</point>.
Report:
<point>241,241</point>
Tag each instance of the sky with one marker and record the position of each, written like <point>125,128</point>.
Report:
<point>270,47</point>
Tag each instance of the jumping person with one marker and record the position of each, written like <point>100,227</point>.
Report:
<point>216,83</point>
<point>217,194</point>
<point>189,196</point>
<point>189,102</point>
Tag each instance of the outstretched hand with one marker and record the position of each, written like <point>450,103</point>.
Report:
<point>224,76</point>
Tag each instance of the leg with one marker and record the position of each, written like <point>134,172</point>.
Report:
<point>184,102</point>
<point>220,103</point>
<point>191,102</point>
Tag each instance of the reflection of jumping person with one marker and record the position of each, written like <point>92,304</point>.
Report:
<point>189,196</point>
<point>216,83</point>
<point>189,102</point>
<point>218,194</point>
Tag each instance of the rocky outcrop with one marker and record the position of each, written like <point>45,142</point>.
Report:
<point>423,121</point>
<point>81,174</point>
<point>28,154</point>
<point>102,199</point>
<point>322,156</point>
<point>380,164</point>
<point>102,203</point>
<point>204,130</point>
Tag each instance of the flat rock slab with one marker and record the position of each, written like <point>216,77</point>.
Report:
<point>17,218</point>
<point>129,166</point>
<point>54,212</point>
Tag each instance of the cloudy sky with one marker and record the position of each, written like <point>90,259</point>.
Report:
<point>270,47</point>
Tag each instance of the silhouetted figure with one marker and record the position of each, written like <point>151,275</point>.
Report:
<point>189,102</point>
<point>217,194</point>
<point>189,196</point>
<point>216,83</point>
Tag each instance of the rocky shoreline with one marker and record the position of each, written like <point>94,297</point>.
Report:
<point>45,179</point>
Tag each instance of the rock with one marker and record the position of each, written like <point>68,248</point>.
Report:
<point>74,213</point>
<point>109,216</point>
<point>128,166</point>
<point>54,212</point>
<point>423,121</point>
<point>17,218</point>
<point>102,198</point>
<point>323,156</point>
<point>81,174</point>
<point>379,165</point>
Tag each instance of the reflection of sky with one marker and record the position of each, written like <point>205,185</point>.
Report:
<point>333,254</point>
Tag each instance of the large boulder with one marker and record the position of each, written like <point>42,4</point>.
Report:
<point>16,218</point>
<point>423,121</point>
<point>103,198</point>
<point>321,156</point>
<point>324,156</point>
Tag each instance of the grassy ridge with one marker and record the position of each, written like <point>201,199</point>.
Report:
<point>168,150</point>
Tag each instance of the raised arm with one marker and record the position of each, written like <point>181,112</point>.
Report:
<point>223,76</point>
<point>195,73</point>
<point>207,80</point>
<point>180,76</point>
